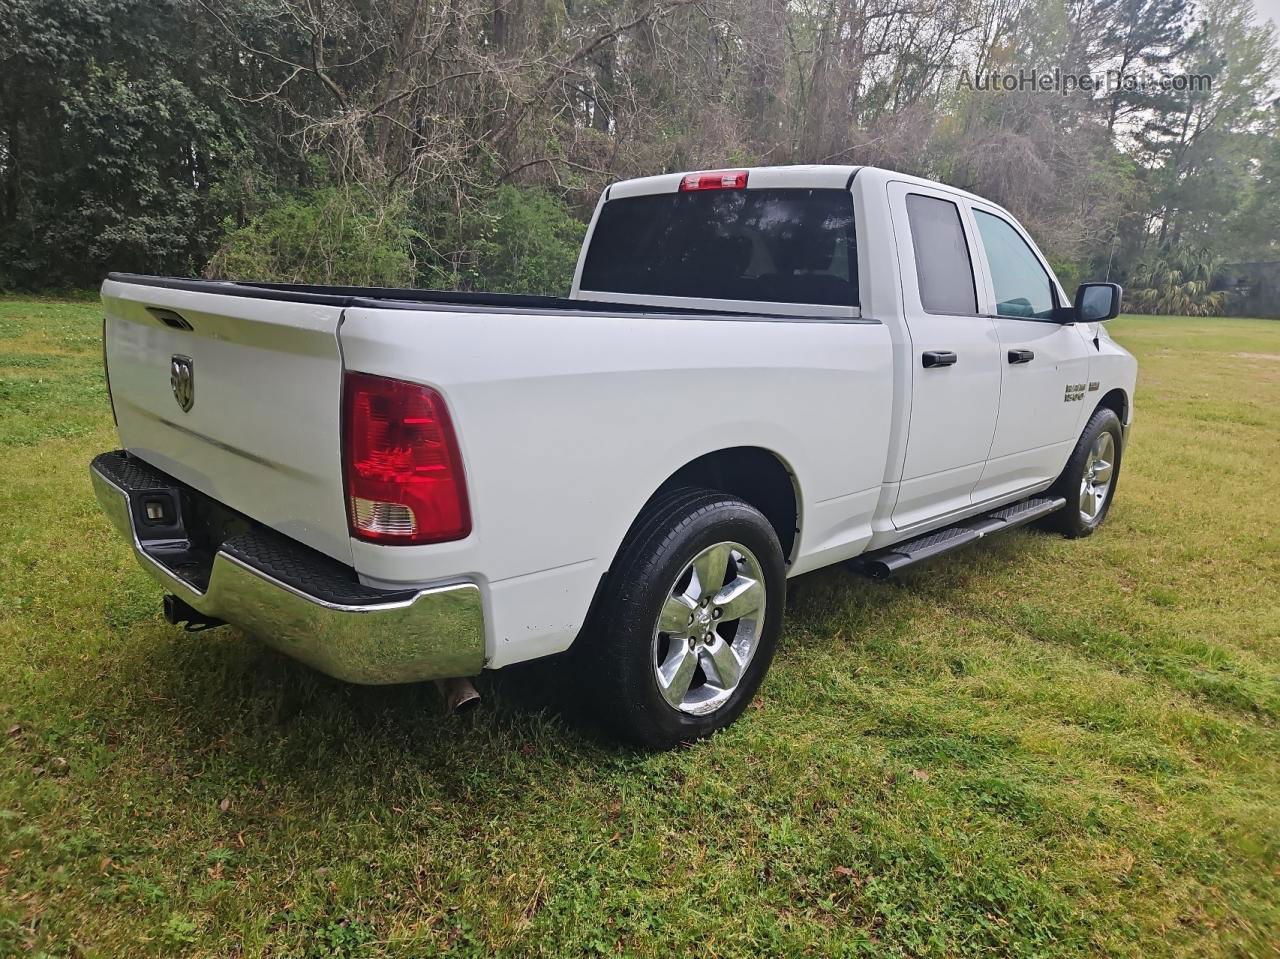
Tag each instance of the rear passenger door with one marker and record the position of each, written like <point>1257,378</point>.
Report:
<point>954,355</point>
<point>1044,363</point>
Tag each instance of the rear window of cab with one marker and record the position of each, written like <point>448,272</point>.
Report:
<point>765,245</point>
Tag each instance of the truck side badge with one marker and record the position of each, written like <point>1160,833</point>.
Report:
<point>182,377</point>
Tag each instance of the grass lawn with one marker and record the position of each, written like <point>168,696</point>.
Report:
<point>1036,748</point>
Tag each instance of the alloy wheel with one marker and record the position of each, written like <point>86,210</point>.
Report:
<point>708,629</point>
<point>1099,468</point>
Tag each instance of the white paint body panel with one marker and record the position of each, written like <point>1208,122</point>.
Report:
<point>953,408</point>
<point>262,436</point>
<point>1037,427</point>
<point>569,421</point>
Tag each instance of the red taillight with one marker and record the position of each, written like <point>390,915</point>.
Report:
<point>403,471</point>
<point>715,180</point>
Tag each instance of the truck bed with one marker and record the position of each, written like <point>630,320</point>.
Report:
<point>569,415</point>
<point>393,298</point>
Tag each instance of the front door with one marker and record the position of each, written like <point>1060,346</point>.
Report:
<point>954,355</point>
<point>1044,363</point>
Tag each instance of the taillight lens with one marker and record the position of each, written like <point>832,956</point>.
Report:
<point>403,471</point>
<point>715,180</point>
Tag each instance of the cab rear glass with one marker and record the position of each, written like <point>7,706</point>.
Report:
<point>769,245</point>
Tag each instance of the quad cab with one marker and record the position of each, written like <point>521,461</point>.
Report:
<point>757,373</point>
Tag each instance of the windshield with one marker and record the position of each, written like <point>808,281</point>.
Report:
<point>780,246</point>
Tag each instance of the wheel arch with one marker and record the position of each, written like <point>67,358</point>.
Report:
<point>1116,400</point>
<point>755,474</point>
<point>770,486</point>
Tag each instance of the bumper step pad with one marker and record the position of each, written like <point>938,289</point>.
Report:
<point>306,570</point>
<point>189,553</point>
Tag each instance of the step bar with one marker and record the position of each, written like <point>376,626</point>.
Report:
<point>882,563</point>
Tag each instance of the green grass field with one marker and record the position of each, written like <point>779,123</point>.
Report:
<point>1036,748</point>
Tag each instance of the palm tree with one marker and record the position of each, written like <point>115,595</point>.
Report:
<point>1179,282</point>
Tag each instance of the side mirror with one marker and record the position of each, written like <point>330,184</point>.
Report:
<point>1096,302</point>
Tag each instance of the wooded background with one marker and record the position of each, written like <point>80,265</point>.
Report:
<point>462,143</point>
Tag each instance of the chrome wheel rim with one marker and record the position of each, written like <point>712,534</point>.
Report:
<point>1095,484</point>
<point>708,629</point>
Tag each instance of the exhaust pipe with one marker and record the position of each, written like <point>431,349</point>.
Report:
<point>460,696</point>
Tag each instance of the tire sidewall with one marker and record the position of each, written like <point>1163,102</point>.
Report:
<point>631,638</point>
<point>1103,421</point>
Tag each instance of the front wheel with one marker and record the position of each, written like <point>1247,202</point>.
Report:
<point>1088,482</point>
<point>689,621</point>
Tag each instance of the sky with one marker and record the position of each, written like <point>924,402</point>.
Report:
<point>1268,9</point>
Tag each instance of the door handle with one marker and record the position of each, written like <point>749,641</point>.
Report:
<point>169,318</point>
<point>1021,356</point>
<point>932,358</point>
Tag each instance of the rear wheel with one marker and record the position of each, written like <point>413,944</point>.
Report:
<point>689,621</point>
<point>1088,482</point>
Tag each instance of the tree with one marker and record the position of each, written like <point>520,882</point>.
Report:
<point>1179,283</point>
<point>467,140</point>
<point>1206,147</point>
<point>112,140</point>
<point>1137,33</point>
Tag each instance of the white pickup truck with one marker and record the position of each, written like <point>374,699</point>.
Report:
<point>757,373</point>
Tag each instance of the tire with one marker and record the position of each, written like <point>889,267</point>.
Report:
<point>634,667</point>
<point>1080,483</point>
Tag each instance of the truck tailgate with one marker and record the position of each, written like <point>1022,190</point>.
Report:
<point>237,396</point>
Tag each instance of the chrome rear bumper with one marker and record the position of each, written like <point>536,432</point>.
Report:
<point>292,598</point>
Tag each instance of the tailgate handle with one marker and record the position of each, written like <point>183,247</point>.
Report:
<point>169,318</point>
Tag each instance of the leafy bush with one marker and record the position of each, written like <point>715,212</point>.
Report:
<point>327,235</point>
<point>1070,273</point>
<point>1179,283</point>
<point>532,245</point>
<point>514,240</point>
